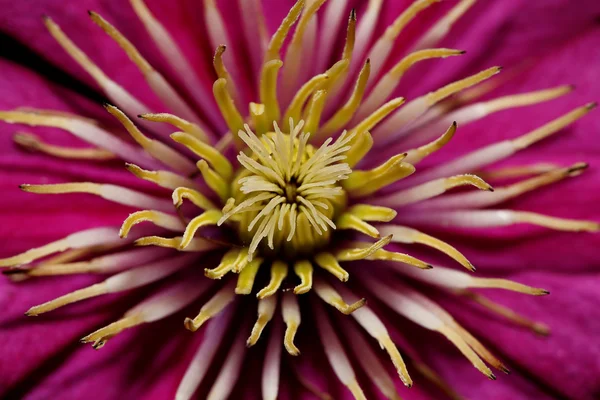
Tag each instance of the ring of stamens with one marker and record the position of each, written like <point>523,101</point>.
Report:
<point>287,191</point>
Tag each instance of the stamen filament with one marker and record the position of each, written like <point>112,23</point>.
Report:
<point>214,306</point>
<point>279,271</point>
<point>161,219</point>
<point>266,310</point>
<point>330,296</point>
<point>292,317</point>
<point>33,143</point>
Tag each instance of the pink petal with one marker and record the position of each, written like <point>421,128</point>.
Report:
<point>180,18</point>
<point>568,360</point>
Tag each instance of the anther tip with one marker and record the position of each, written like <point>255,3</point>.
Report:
<point>462,52</point>
<point>499,68</point>
<point>353,14</point>
<point>544,292</point>
<point>428,266</point>
<point>45,17</point>
<point>572,87</point>
<point>592,105</point>
<point>504,369</point>
<point>492,377</point>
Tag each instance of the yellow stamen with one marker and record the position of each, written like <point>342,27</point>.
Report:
<point>259,118</point>
<point>224,266</point>
<point>222,72</point>
<point>350,221</point>
<point>364,183</point>
<point>367,212</point>
<point>359,148</point>
<point>517,171</point>
<point>330,264</point>
<point>33,143</point>
<point>345,113</point>
<point>206,151</point>
<point>209,217</point>
<point>99,337</point>
<point>350,36</point>
<point>386,342</point>
<point>213,307</point>
<point>247,275</point>
<point>407,235</point>
<point>166,179</point>
<point>197,244</point>
<point>552,127</point>
<point>443,26</point>
<point>197,198</point>
<point>497,283</point>
<point>156,149</point>
<point>362,253</point>
<point>179,123</point>
<point>295,108</point>
<point>294,51</point>
<point>292,318</point>
<point>79,56</point>
<point>230,113</point>
<point>78,295</point>
<point>525,99</point>
<point>158,218</point>
<point>268,89</point>
<point>266,310</point>
<point>393,31</point>
<point>561,224</point>
<point>398,257</point>
<point>415,156</point>
<point>304,271</point>
<point>333,298</point>
<point>454,87</point>
<point>279,37</point>
<point>356,390</point>
<point>279,271</point>
<point>436,380</point>
<point>466,350</point>
<point>507,313</point>
<point>214,180</point>
<point>314,110</point>
<point>368,123</point>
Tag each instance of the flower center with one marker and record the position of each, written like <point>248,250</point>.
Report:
<point>287,193</point>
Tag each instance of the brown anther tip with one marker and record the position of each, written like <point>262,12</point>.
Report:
<point>462,52</point>
<point>368,61</point>
<point>499,68</point>
<point>428,266</point>
<point>572,87</point>
<point>592,105</point>
<point>490,189</point>
<point>544,292</point>
<point>45,17</point>
<point>353,14</point>
<point>91,13</point>
<point>454,124</point>
<point>492,377</point>
<point>107,105</point>
<point>189,325</point>
<point>504,369</point>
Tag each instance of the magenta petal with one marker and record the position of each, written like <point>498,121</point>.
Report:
<point>568,361</point>
<point>180,18</point>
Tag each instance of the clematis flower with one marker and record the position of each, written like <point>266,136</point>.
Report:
<point>329,210</point>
